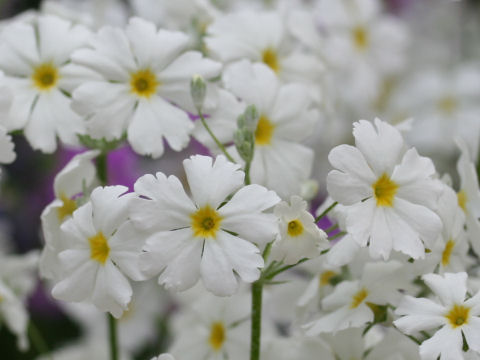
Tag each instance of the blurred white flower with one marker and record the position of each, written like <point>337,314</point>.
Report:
<point>352,303</point>
<point>213,328</point>
<point>17,281</point>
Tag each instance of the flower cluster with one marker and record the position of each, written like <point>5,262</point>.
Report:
<point>293,230</point>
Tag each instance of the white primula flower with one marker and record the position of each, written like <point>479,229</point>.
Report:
<point>388,191</point>
<point>450,250</point>
<point>469,195</point>
<point>76,177</point>
<point>17,281</point>
<point>260,37</point>
<point>280,162</point>
<point>144,73</point>
<point>209,236</point>
<point>299,236</point>
<point>360,43</point>
<point>351,304</point>
<point>213,328</point>
<point>102,252</point>
<point>458,318</point>
<point>7,154</point>
<point>36,63</point>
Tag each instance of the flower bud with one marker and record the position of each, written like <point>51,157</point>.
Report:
<point>198,89</point>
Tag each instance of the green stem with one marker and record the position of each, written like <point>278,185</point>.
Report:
<point>336,236</point>
<point>326,211</point>
<point>219,144</point>
<point>38,341</point>
<point>247,173</point>
<point>282,269</point>
<point>257,289</point>
<point>331,228</point>
<point>101,165</point>
<point>112,327</point>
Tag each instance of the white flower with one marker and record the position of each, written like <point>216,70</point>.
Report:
<point>259,37</point>
<point>350,304</point>
<point>299,236</point>
<point>388,191</point>
<point>280,162</point>
<point>36,61</point>
<point>204,237</point>
<point>103,249</point>
<point>450,250</point>
<point>213,328</point>
<point>457,317</point>
<point>141,71</point>
<point>469,195</point>
<point>17,281</point>
<point>76,177</point>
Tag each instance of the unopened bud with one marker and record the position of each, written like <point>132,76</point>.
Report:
<point>244,143</point>
<point>309,189</point>
<point>198,89</point>
<point>251,118</point>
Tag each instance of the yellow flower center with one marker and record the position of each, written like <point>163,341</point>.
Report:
<point>325,277</point>
<point>269,57</point>
<point>217,336</point>
<point>143,83</point>
<point>295,228</point>
<point>462,200</point>
<point>447,252</point>
<point>458,315</point>
<point>384,190</point>
<point>360,38</point>
<point>45,76</point>
<point>264,131</point>
<point>68,207</point>
<point>205,222</point>
<point>99,249</point>
<point>358,298</point>
<point>447,104</point>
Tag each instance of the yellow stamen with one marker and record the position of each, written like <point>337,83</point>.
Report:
<point>99,249</point>
<point>217,336</point>
<point>269,57</point>
<point>295,228</point>
<point>447,252</point>
<point>447,104</point>
<point>264,131</point>
<point>360,38</point>
<point>384,190</point>
<point>458,315</point>
<point>206,222</point>
<point>45,76</point>
<point>462,200</point>
<point>325,277</point>
<point>67,209</point>
<point>358,298</point>
<point>143,83</point>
